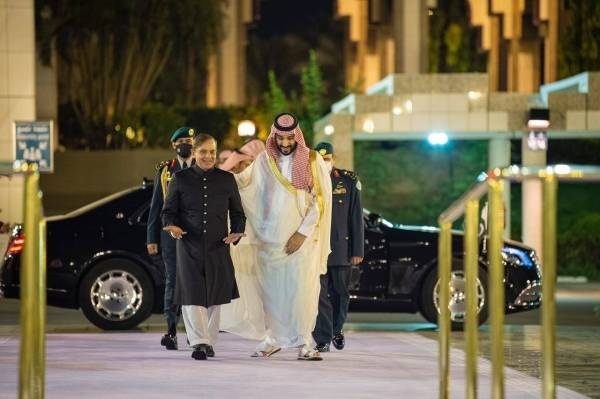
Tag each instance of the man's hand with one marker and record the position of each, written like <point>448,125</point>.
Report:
<point>152,249</point>
<point>294,243</point>
<point>233,238</point>
<point>355,260</point>
<point>175,231</point>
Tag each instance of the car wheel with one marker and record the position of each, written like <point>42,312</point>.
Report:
<point>116,294</point>
<point>429,306</point>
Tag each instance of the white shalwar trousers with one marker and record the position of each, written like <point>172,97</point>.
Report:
<point>201,324</point>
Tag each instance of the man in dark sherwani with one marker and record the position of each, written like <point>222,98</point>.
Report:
<point>181,141</point>
<point>198,203</point>
<point>347,248</point>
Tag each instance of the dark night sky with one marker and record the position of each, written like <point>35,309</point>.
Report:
<point>278,17</point>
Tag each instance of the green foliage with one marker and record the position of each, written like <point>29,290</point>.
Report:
<point>313,91</point>
<point>275,100</point>
<point>412,182</point>
<point>309,106</point>
<point>579,248</point>
<point>215,121</point>
<point>113,54</point>
<point>159,122</point>
<point>452,39</point>
<point>579,49</point>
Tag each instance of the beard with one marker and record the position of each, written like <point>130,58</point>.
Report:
<point>293,148</point>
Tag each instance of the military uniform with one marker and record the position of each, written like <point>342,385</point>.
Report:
<point>164,172</point>
<point>155,234</point>
<point>347,240</point>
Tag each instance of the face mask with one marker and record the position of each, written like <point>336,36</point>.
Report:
<point>184,150</point>
<point>329,166</point>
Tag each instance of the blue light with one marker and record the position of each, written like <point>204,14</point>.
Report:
<point>517,254</point>
<point>437,138</point>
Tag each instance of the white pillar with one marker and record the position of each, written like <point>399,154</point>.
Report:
<point>411,34</point>
<point>17,93</point>
<point>499,157</point>
<point>227,68</point>
<point>532,199</point>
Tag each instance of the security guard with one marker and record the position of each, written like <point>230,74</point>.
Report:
<point>347,248</point>
<point>181,141</point>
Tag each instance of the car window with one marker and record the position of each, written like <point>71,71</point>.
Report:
<point>93,205</point>
<point>140,216</point>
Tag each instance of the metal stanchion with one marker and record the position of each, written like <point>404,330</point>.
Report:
<point>32,291</point>
<point>496,285</point>
<point>444,264</point>
<point>471,271</point>
<point>549,285</point>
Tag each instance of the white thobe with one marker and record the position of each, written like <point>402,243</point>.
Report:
<point>286,286</point>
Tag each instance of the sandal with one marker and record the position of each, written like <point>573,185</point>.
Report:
<point>266,353</point>
<point>308,354</point>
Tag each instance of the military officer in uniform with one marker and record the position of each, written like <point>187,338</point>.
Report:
<point>200,202</point>
<point>157,239</point>
<point>347,248</point>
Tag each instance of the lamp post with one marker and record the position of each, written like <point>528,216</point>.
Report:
<point>246,128</point>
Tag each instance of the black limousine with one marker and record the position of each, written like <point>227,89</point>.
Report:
<point>97,261</point>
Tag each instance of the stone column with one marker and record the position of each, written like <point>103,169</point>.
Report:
<point>227,68</point>
<point>499,157</point>
<point>532,199</point>
<point>17,92</point>
<point>342,141</point>
<point>411,33</point>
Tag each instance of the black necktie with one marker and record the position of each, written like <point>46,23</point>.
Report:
<point>184,165</point>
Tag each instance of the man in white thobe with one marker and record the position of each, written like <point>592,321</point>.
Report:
<point>286,194</point>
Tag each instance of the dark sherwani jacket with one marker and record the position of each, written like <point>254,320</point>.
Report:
<point>199,202</point>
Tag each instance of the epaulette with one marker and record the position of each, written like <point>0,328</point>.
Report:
<point>350,174</point>
<point>162,164</point>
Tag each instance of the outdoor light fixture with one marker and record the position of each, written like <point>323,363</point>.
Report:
<point>329,129</point>
<point>538,122</point>
<point>408,105</point>
<point>368,125</point>
<point>539,118</point>
<point>437,138</point>
<point>474,95</point>
<point>397,110</point>
<point>246,128</point>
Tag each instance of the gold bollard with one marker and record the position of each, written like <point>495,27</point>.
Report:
<point>444,265</point>
<point>471,269</point>
<point>496,285</point>
<point>32,292</point>
<point>549,285</point>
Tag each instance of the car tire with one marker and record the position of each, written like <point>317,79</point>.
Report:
<point>116,294</point>
<point>428,299</point>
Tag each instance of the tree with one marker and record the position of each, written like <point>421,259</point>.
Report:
<point>275,99</point>
<point>111,54</point>
<point>452,40</point>
<point>578,43</point>
<point>308,107</point>
<point>313,91</point>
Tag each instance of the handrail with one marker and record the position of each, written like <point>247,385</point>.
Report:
<point>32,282</point>
<point>492,184</point>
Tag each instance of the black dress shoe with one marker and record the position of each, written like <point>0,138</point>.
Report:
<point>199,352</point>
<point>322,348</point>
<point>169,341</point>
<point>210,352</point>
<point>338,341</point>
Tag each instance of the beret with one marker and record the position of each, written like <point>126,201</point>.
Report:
<point>324,148</point>
<point>182,132</point>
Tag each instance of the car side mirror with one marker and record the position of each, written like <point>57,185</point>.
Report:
<point>373,220</point>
